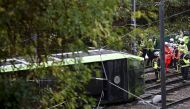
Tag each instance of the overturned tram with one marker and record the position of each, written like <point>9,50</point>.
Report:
<point>121,74</point>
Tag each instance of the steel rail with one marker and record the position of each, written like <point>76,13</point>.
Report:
<point>176,80</point>
<point>178,101</point>
<point>169,90</point>
<point>148,81</point>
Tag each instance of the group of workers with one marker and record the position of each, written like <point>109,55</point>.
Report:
<point>176,56</point>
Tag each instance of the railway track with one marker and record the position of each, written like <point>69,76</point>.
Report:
<point>173,82</point>
<point>169,89</point>
<point>174,85</point>
<point>169,81</point>
<point>179,97</point>
<point>170,75</point>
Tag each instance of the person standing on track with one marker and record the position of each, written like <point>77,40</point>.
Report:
<point>171,47</point>
<point>184,64</point>
<point>156,66</point>
<point>150,51</point>
<point>182,47</point>
<point>168,56</point>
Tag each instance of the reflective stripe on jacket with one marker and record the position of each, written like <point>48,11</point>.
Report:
<point>155,65</point>
<point>187,62</point>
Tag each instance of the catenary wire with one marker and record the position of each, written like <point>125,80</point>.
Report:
<point>166,18</point>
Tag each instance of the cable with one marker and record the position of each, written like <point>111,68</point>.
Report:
<point>165,18</point>
<point>102,94</point>
<point>122,88</point>
<point>104,70</point>
<point>158,20</point>
<point>134,95</point>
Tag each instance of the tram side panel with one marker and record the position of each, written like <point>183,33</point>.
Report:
<point>116,74</point>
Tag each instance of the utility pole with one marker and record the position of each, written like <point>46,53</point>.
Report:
<point>122,3</point>
<point>162,54</point>
<point>134,10</point>
<point>133,23</point>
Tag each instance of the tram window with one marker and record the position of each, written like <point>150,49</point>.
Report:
<point>61,56</point>
<point>10,62</point>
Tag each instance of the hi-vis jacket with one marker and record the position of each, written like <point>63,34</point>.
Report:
<point>183,48</point>
<point>168,55</point>
<point>156,63</point>
<point>184,62</point>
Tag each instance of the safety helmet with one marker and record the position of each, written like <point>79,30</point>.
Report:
<point>150,40</point>
<point>171,39</point>
<point>156,53</point>
<point>166,43</point>
<point>180,39</point>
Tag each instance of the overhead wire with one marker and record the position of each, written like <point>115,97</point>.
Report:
<point>156,21</point>
<point>157,4</point>
<point>102,94</point>
<point>174,15</point>
<point>134,95</point>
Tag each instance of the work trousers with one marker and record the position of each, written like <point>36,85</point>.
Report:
<point>175,63</point>
<point>157,74</point>
<point>184,72</point>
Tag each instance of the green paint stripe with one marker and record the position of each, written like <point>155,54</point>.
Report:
<point>70,61</point>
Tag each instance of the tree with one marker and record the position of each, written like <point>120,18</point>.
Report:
<point>33,29</point>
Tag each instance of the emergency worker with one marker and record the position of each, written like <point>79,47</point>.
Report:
<point>168,56</point>
<point>171,47</point>
<point>186,39</point>
<point>150,51</point>
<point>184,64</point>
<point>182,47</point>
<point>171,43</point>
<point>176,57</point>
<point>156,66</point>
<point>143,50</point>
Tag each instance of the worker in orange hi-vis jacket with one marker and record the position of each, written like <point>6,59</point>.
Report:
<point>168,56</point>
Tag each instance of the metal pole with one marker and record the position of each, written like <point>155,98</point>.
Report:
<point>162,54</point>
<point>134,10</point>
<point>133,22</point>
<point>122,3</point>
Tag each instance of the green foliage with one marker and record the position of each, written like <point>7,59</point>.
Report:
<point>34,29</point>
<point>89,21</point>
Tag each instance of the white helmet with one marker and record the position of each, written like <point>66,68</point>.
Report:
<point>174,45</point>
<point>166,43</point>
<point>171,39</point>
<point>156,53</point>
<point>181,39</point>
<point>150,40</point>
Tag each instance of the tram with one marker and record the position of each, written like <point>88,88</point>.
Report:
<point>124,70</point>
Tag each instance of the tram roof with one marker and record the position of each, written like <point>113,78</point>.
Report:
<point>69,58</point>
